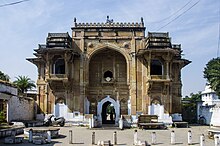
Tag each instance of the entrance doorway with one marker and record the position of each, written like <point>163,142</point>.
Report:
<point>108,113</point>
<point>104,109</point>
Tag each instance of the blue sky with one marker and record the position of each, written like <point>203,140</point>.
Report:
<point>25,25</point>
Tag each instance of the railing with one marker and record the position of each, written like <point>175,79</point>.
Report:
<point>158,77</point>
<point>156,34</point>
<point>42,46</point>
<point>58,76</point>
<point>176,46</point>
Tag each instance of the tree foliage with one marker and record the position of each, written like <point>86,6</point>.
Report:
<point>4,77</point>
<point>212,74</point>
<point>24,83</point>
<point>189,107</point>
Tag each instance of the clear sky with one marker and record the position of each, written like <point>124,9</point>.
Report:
<point>192,23</point>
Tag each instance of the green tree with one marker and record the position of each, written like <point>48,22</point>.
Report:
<point>24,83</point>
<point>189,107</point>
<point>4,77</point>
<point>212,74</point>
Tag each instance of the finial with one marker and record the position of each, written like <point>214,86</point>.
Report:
<point>109,20</point>
<point>142,21</point>
<point>74,19</point>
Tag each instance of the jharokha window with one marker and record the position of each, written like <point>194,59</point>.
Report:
<point>156,67</point>
<point>108,76</point>
<point>59,66</point>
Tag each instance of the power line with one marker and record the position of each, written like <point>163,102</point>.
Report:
<point>179,15</point>
<point>13,3</point>
<point>172,14</point>
<point>218,31</point>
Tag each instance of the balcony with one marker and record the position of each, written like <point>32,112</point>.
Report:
<point>58,77</point>
<point>58,40</point>
<point>159,78</point>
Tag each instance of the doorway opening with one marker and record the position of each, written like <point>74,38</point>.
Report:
<point>108,113</point>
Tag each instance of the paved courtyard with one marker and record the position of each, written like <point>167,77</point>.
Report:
<point>82,136</point>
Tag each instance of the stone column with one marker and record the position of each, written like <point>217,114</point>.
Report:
<point>167,70</point>
<point>133,85</point>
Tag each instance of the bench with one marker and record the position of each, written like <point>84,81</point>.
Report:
<point>149,121</point>
<point>212,132</point>
<point>180,124</point>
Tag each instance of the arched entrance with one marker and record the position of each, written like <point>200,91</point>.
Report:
<point>108,111</point>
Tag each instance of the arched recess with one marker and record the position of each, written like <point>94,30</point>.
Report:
<point>58,65</point>
<point>156,108</point>
<point>114,103</point>
<point>107,65</point>
<point>156,100</point>
<point>60,108</point>
<point>156,67</point>
<point>126,56</point>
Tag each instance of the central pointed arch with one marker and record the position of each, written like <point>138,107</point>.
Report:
<point>115,104</point>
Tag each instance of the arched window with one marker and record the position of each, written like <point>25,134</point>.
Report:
<point>108,75</point>
<point>60,101</point>
<point>59,66</point>
<point>156,67</point>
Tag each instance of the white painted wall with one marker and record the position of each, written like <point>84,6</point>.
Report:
<point>215,119</point>
<point>4,88</point>
<point>20,108</point>
<point>209,107</point>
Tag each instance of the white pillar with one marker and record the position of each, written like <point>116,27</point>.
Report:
<point>189,137</point>
<point>121,123</point>
<point>31,135</point>
<point>115,138</point>
<point>93,138</point>
<point>217,142</point>
<point>49,136</point>
<point>70,136</point>
<point>153,138</point>
<point>202,140</point>
<point>135,137</point>
<point>90,123</point>
<point>172,138</point>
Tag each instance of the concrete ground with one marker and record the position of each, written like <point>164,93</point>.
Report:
<point>82,136</point>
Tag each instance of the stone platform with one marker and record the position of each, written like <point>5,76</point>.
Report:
<point>42,131</point>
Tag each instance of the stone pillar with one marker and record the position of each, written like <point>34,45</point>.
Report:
<point>135,137</point>
<point>133,85</point>
<point>172,138</point>
<point>167,70</point>
<point>217,142</point>
<point>121,123</point>
<point>30,135</point>
<point>93,137</point>
<point>202,140</point>
<point>153,137</point>
<point>115,138</point>
<point>49,136</point>
<point>189,137</point>
<point>70,136</point>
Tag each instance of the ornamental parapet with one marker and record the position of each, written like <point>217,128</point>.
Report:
<point>107,25</point>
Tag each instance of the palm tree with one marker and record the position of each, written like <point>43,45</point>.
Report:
<point>212,74</point>
<point>24,83</point>
<point>4,77</point>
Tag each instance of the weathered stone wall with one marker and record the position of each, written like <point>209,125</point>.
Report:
<point>7,88</point>
<point>20,108</point>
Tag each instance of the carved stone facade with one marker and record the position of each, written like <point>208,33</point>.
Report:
<point>114,61</point>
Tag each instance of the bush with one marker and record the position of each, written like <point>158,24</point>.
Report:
<point>2,116</point>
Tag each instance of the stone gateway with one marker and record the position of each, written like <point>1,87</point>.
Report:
<point>108,70</point>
